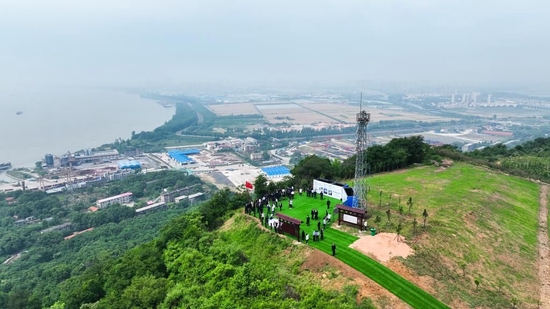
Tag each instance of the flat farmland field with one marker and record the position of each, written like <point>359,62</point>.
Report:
<point>502,112</point>
<point>346,113</point>
<point>291,113</point>
<point>309,112</point>
<point>230,109</point>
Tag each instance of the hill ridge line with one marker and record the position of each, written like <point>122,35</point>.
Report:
<point>544,249</point>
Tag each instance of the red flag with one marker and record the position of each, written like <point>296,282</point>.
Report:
<point>248,185</point>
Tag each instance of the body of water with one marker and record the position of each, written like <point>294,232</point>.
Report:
<point>59,120</point>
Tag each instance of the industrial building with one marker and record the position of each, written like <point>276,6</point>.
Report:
<point>117,199</point>
<point>152,207</point>
<point>129,164</point>
<point>48,159</point>
<point>170,197</point>
<point>195,196</point>
<point>60,227</point>
<point>273,172</point>
<point>181,156</point>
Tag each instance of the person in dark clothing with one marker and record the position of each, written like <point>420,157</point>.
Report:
<point>318,225</point>
<point>333,249</point>
<point>313,214</point>
<point>328,204</point>
<point>321,194</point>
<point>307,220</point>
<point>303,235</point>
<point>322,235</point>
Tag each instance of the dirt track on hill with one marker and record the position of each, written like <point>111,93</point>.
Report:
<point>544,249</point>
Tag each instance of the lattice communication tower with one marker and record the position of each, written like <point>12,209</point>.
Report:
<point>361,140</point>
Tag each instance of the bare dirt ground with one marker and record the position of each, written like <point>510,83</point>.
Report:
<point>383,246</point>
<point>233,109</point>
<point>544,249</point>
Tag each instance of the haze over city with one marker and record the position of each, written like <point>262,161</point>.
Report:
<point>164,44</point>
<point>356,154</point>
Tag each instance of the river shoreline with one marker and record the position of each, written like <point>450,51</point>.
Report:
<point>53,123</point>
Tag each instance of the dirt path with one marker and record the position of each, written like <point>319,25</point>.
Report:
<point>544,250</point>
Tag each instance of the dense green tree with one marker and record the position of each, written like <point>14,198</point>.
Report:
<point>22,299</point>
<point>144,292</point>
<point>260,186</point>
<point>312,167</point>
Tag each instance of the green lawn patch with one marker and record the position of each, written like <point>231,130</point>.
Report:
<point>405,290</point>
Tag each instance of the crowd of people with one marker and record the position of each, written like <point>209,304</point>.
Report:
<point>266,206</point>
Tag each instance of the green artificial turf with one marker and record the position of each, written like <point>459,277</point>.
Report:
<point>405,290</point>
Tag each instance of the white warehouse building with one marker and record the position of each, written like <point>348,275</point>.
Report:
<point>117,199</point>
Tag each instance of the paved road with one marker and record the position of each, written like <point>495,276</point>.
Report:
<point>199,115</point>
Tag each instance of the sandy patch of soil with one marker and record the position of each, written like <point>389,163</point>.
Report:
<point>383,246</point>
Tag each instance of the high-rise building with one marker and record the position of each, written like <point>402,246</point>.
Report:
<point>453,98</point>
<point>465,99</point>
<point>489,98</point>
<point>49,160</point>
<point>474,96</point>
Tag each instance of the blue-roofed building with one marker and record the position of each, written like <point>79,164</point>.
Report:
<point>187,152</point>
<point>181,156</point>
<point>126,164</point>
<point>278,171</point>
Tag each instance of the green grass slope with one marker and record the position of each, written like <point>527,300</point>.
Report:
<point>481,225</point>
<point>379,273</point>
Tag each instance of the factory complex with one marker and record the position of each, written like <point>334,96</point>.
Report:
<point>230,162</point>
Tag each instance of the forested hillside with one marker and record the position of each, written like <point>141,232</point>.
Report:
<point>531,159</point>
<point>193,264</point>
<point>41,261</point>
<point>157,261</point>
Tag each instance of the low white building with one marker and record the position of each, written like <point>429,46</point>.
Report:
<point>117,199</point>
<point>152,207</point>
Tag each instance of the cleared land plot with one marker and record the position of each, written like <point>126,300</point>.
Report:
<point>460,138</point>
<point>502,112</point>
<point>379,273</point>
<point>232,109</point>
<point>239,175</point>
<point>292,114</point>
<point>347,113</point>
<point>237,121</point>
<point>481,224</point>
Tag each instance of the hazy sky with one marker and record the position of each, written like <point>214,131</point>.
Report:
<point>141,42</point>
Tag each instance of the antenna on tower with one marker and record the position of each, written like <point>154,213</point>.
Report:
<point>361,144</point>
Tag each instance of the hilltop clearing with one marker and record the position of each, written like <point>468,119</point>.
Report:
<point>480,239</point>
